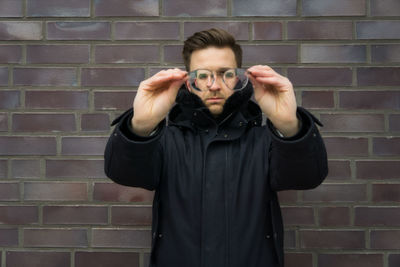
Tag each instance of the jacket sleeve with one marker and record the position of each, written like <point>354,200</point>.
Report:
<point>299,162</point>
<point>133,160</point>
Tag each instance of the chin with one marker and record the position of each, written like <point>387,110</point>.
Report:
<point>215,110</point>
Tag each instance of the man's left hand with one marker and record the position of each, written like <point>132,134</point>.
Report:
<point>275,95</point>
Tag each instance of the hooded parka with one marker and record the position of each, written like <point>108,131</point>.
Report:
<point>216,180</point>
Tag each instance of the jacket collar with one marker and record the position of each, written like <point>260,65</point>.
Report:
<point>191,112</point>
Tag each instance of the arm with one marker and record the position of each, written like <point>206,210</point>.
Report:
<point>298,162</point>
<point>133,160</point>
<point>132,157</point>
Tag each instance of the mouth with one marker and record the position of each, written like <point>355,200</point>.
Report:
<point>215,99</point>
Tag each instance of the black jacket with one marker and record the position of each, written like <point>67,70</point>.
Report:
<point>215,181</point>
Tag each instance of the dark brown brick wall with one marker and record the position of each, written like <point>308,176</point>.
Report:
<point>69,67</point>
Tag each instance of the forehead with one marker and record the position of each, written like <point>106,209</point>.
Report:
<point>213,58</point>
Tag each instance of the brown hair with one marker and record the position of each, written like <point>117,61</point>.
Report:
<point>207,38</point>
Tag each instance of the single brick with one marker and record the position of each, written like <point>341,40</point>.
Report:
<point>385,8</point>
<point>107,259</point>
<point>386,192</point>
<point>377,216</point>
<point>267,31</point>
<point>264,8</point>
<point>3,169</point>
<point>86,30</point>
<point>378,76</point>
<point>45,76</point>
<point>112,76</point>
<point>9,237</point>
<point>320,30</point>
<point>11,8</point>
<point>239,30</point>
<point>9,191</point>
<point>332,239</point>
<point>389,53</point>
<point>191,8</point>
<point>287,197</point>
<point>337,8</point>
<point>337,193</point>
<point>394,260</point>
<point>132,216</point>
<point>25,168</point>
<point>113,238</point>
<point>350,260</point>
<point>10,53</point>
<point>21,30</point>
<point>317,99</point>
<point>19,215</point>
<point>57,99</point>
<point>334,216</point>
<point>24,145</point>
<point>57,54</point>
<point>147,31</point>
<point>298,259</point>
<point>316,53</point>
<point>83,145</point>
<point>112,192</point>
<point>58,8</point>
<point>55,238</point>
<point>378,29</point>
<point>339,170</point>
<point>55,191</point>
<point>3,122</point>
<point>70,168</point>
<point>127,54</point>
<point>28,122</point>
<point>95,122</point>
<point>385,239</point>
<point>369,99</point>
<point>343,146</point>
<point>126,8</point>
<point>3,76</point>
<point>38,259</point>
<point>298,216</point>
<point>269,54</point>
<point>75,215</point>
<point>9,99</point>
<point>114,100</point>
<point>320,76</point>
<point>381,170</point>
<point>386,146</point>
<point>173,54</point>
<point>394,122</point>
<point>353,123</point>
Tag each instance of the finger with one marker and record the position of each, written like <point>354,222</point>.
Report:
<point>263,72</point>
<point>276,82</point>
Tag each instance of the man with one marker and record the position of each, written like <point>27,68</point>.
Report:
<point>215,168</point>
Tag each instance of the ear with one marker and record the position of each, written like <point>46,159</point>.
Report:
<point>187,86</point>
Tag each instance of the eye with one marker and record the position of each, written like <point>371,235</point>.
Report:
<point>202,76</point>
<point>229,74</point>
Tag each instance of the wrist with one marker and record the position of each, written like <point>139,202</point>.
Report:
<point>142,128</point>
<point>288,129</point>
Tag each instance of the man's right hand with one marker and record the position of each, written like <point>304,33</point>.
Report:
<point>154,98</point>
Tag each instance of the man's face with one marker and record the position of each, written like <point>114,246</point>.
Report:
<point>214,59</point>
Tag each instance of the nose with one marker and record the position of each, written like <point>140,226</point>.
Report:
<point>216,84</point>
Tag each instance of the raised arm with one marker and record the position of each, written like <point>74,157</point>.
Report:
<point>298,157</point>
<point>132,157</point>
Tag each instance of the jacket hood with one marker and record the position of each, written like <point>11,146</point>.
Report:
<point>189,106</point>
